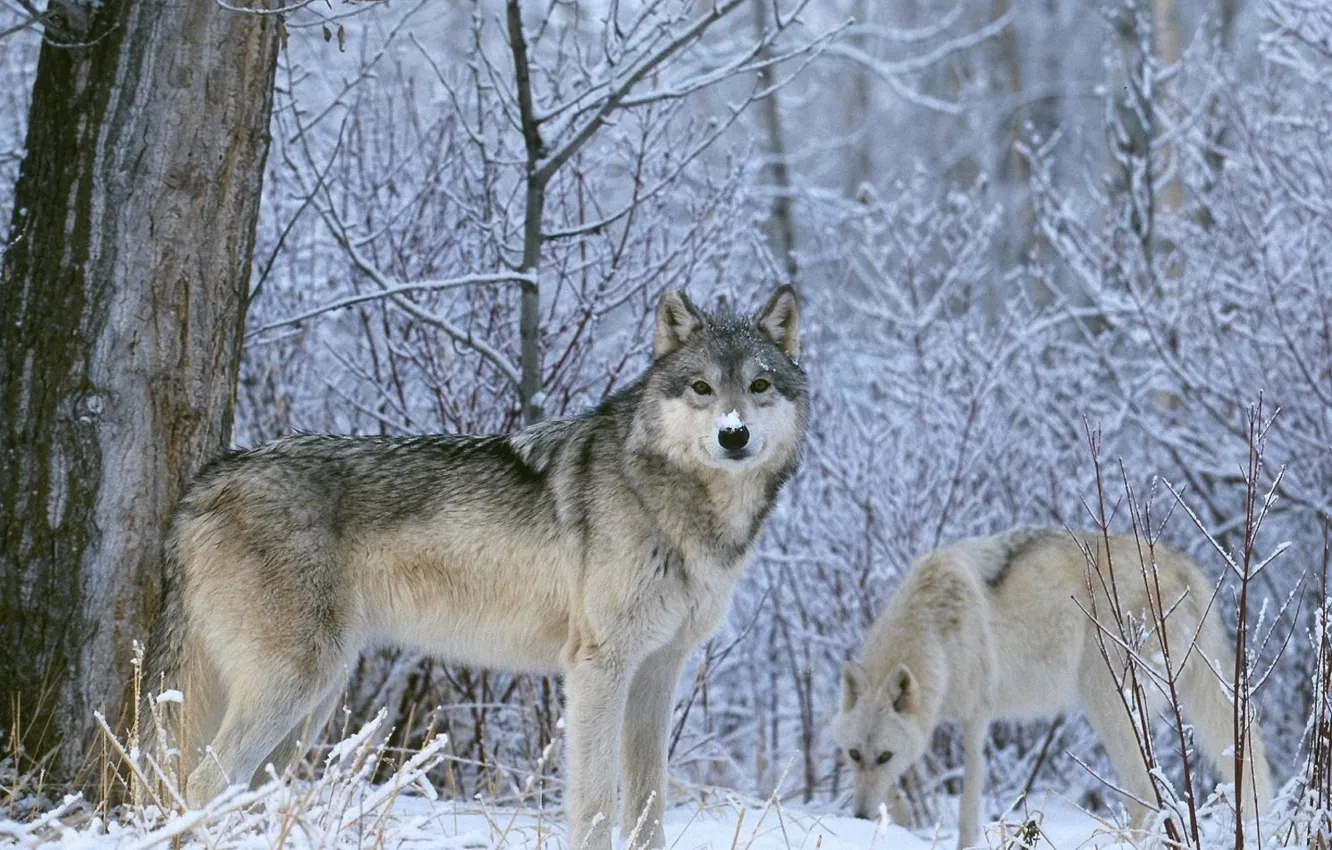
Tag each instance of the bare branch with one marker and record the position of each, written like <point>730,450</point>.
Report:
<point>390,292</point>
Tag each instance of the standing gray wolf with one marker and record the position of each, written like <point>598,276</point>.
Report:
<point>999,627</point>
<point>605,546</point>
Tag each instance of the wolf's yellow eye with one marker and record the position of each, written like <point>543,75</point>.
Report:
<point>854,755</point>
<point>884,757</point>
<point>702,388</point>
<point>760,386</point>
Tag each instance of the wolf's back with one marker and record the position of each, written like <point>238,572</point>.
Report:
<point>998,555</point>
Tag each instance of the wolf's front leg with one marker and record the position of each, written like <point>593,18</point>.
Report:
<point>595,689</point>
<point>900,808</point>
<point>646,726</point>
<point>974,732</point>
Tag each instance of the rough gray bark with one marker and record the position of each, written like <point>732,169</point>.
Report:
<point>123,291</point>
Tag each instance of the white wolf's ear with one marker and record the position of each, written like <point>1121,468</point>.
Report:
<point>902,690</point>
<point>779,319</point>
<point>677,320</point>
<point>853,684</point>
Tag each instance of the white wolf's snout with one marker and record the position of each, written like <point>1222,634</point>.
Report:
<point>860,803</point>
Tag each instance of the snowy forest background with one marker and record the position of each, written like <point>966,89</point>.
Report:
<point>1021,232</point>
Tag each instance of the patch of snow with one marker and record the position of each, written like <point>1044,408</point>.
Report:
<point>172,695</point>
<point>730,421</point>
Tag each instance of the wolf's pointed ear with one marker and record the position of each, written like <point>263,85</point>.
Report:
<point>779,319</point>
<point>902,690</point>
<point>853,684</point>
<point>677,320</point>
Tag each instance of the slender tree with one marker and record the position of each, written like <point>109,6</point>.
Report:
<point>780,225</point>
<point>123,291</point>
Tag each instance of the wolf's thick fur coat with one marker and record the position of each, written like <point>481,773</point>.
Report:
<point>605,547</point>
<point>999,627</point>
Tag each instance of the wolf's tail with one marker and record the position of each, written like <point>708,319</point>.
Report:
<point>159,725</point>
<point>1205,684</point>
<point>164,658</point>
<point>181,691</point>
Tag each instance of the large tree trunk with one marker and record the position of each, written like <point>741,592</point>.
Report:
<point>122,297</point>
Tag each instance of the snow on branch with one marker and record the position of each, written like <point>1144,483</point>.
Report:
<point>390,291</point>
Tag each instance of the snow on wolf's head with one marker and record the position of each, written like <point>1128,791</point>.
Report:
<point>725,392</point>
<point>880,731</point>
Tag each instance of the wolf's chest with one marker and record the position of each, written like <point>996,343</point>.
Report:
<point>703,592</point>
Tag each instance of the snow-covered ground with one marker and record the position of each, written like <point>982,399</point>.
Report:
<point>343,809</point>
<point>418,823</point>
<point>732,823</point>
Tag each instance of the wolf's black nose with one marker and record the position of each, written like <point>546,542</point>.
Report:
<point>733,439</point>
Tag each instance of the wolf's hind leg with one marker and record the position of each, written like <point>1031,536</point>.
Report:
<point>1208,707</point>
<point>647,720</point>
<point>256,721</point>
<point>1108,717</point>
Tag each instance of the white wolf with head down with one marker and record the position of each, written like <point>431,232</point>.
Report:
<point>605,547</point>
<point>997,627</point>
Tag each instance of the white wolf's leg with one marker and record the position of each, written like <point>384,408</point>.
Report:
<point>900,795</point>
<point>1208,707</point>
<point>646,728</point>
<point>900,807</point>
<point>256,721</point>
<point>596,689</point>
<point>974,732</point>
<point>1108,717</point>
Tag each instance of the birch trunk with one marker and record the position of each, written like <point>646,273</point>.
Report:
<point>780,226</point>
<point>123,293</point>
<point>1165,26</point>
